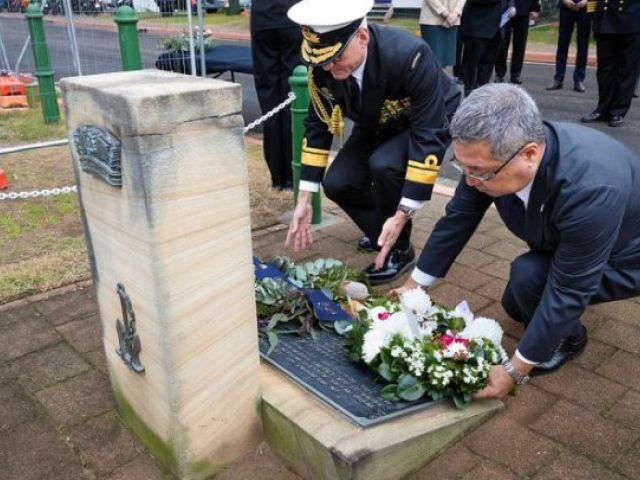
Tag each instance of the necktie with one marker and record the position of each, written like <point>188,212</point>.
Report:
<point>514,215</point>
<point>353,94</point>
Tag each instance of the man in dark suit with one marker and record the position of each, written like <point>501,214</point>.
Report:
<point>570,192</point>
<point>572,13</point>
<point>616,24</point>
<point>275,48</point>
<point>482,34</point>
<point>519,27</point>
<point>388,82</point>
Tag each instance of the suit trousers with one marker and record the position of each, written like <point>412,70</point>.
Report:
<point>568,20</point>
<point>365,180</point>
<point>618,68</point>
<point>528,279</point>
<point>275,54</point>
<point>519,27</point>
<point>478,60</point>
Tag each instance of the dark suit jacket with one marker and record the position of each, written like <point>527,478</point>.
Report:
<point>271,14</point>
<point>481,18</point>
<point>584,210</point>
<point>617,17</point>
<point>524,7</point>
<point>403,88</point>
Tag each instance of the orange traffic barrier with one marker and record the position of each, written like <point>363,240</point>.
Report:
<point>4,183</point>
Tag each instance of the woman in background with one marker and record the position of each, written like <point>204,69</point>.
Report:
<point>439,21</point>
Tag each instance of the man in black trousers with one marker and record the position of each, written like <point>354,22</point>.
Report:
<point>616,24</point>
<point>519,27</point>
<point>275,47</point>
<point>482,34</point>
<point>572,13</point>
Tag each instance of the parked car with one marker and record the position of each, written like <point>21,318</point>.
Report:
<point>215,5</point>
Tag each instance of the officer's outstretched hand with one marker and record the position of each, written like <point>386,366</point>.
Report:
<point>389,236</point>
<point>299,235</point>
<point>499,385</point>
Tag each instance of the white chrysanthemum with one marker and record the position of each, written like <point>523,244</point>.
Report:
<point>481,327</point>
<point>375,312</point>
<point>427,328</point>
<point>382,332</point>
<point>417,301</point>
<point>374,341</point>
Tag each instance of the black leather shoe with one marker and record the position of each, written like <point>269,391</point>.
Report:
<point>616,120</point>
<point>579,87</point>
<point>498,79</point>
<point>594,117</point>
<point>556,85</point>
<point>636,94</point>
<point>516,80</point>
<point>365,244</point>
<point>570,348</point>
<point>395,265</point>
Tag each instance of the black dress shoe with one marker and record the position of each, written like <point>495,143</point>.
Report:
<point>616,120</point>
<point>579,87</point>
<point>365,244</point>
<point>516,80</point>
<point>570,348</point>
<point>635,94</point>
<point>556,85</point>
<point>498,79</point>
<point>395,265</point>
<point>594,117</point>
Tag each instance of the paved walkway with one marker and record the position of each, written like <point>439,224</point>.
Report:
<point>57,418</point>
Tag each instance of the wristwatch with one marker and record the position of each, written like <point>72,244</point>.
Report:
<point>517,377</point>
<point>408,211</point>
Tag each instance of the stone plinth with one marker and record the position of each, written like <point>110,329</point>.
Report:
<point>320,444</point>
<point>177,236</point>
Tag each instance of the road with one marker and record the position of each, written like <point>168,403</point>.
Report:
<point>99,53</point>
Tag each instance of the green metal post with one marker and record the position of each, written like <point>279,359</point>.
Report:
<point>299,108</point>
<point>127,19</point>
<point>44,72</point>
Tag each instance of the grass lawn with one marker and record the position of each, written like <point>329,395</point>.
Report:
<point>42,238</point>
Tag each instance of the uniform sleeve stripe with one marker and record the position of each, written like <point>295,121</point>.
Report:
<point>315,159</point>
<point>419,175</point>
<point>422,166</point>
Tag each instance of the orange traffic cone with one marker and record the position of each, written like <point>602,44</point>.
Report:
<point>4,183</point>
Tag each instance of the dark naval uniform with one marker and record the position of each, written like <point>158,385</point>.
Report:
<point>616,24</point>
<point>275,48</point>
<point>582,224</point>
<point>400,133</point>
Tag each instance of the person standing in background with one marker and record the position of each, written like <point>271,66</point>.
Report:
<point>439,21</point>
<point>518,25</point>
<point>275,48</point>
<point>616,24</point>
<point>572,13</point>
<point>482,34</point>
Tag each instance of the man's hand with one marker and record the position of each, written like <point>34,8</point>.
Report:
<point>452,18</point>
<point>500,384</point>
<point>512,12</point>
<point>534,15</point>
<point>299,235</point>
<point>410,284</point>
<point>389,236</point>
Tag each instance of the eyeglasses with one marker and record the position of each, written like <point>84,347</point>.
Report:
<point>487,176</point>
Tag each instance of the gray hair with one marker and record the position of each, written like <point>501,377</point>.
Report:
<point>503,115</point>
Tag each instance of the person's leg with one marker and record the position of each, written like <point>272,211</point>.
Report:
<point>457,68</point>
<point>583,21</point>
<point>520,34</point>
<point>503,49</point>
<point>488,59</point>
<point>565,31</point>
<point>473,48</point>
<point>627,73</point>
<point>348,183</point>
<point>266,69</point>
<point>606,72</point>
<point>388,165</point>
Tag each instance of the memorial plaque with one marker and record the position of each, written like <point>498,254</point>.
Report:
<point>322,366</point>
<point>99,153</point>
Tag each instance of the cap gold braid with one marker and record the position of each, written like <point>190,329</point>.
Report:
<point>334,122</point>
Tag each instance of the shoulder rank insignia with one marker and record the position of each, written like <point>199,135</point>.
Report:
<point>416,60</point>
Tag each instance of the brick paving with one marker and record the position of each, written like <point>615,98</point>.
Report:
<point>57,418</point>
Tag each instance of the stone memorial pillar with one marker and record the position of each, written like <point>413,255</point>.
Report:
<point>161,174</point>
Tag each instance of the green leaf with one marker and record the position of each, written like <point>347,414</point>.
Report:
<point>409,388</point>
<point>313,334</point>
<point>384,369</point>
<point>277,318</point>
<point>342,326</point>
<point>273,342</point>
<point>390,392</point>
<point>461,401</point>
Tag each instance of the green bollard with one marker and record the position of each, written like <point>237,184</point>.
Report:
<point>127,20</point>
<point>234,7</point>
<point>299,108</point>
<point>44,72</point>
